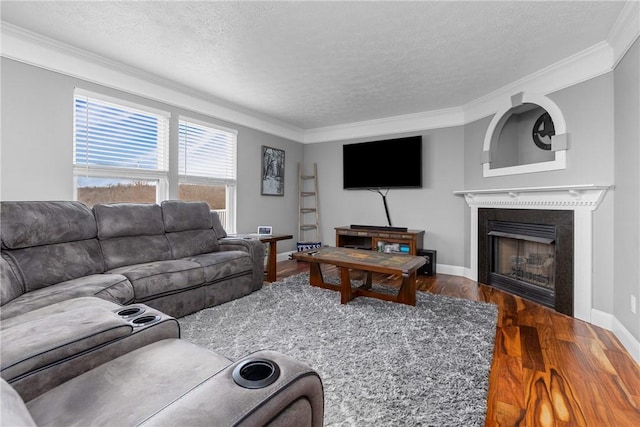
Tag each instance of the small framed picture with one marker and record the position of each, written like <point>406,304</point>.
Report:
<point>272,172</point>
<point>264,230</point>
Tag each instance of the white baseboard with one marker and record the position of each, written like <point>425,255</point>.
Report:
<point>454,270</point>
<point>284,256</point>
<point>611,323</point>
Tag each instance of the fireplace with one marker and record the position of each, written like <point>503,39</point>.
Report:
<point>528,252</point>
<point>578,200</point>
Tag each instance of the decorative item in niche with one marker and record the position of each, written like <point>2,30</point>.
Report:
<point>542,131</point>
<point>507,148</point>
<point>272,171</point>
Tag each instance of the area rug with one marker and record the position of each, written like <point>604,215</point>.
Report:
<point>381,363</point>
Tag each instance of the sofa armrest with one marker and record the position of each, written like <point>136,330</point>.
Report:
<point>43,348</point>
<point>255,248</point>
<point>34,344</point>
<point>295,398</point>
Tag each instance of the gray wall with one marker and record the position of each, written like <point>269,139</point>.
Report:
<point>432,208</point>
<point>627,201</point>
<point>588,111</point>
<point>36,163</point>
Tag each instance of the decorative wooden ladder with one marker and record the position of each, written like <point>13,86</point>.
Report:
<point>308,216</point>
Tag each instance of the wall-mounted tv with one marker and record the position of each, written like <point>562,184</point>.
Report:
<point>389,163</point>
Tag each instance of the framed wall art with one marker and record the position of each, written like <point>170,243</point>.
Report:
<point>272,172</point>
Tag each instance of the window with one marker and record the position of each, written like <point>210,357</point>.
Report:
<point>120,151</point>
<point>207,167</point>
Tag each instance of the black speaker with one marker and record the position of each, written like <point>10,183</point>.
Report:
<point>429,269</point>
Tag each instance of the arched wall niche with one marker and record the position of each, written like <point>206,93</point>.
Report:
<point>508,145</point>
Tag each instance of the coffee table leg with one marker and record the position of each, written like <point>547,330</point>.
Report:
<point>346,294</point>
<point>315,275</point>
<point>407,293</point>
<point>368,280</point>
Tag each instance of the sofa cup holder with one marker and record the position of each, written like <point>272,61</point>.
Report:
<point>256,373</point>
<point>130,312</point>
<point>145,320</point>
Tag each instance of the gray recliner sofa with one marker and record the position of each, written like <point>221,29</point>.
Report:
<point>166,256</point>
<point>175,383</point>
<point>87,333</point>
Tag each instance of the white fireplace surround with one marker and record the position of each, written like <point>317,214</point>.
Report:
<point>582,199</point>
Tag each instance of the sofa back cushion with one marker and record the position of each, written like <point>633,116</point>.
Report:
<point>27,224</point>
<point>49,242</point>
<point>217,225</point>
<point>131,233</point>
<point>189,228</point>
<point>42,266</point>
<point>10,285</point>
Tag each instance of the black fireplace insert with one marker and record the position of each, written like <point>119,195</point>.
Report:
<point>528,252</point>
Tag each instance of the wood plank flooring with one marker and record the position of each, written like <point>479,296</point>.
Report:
<point>548,369</point>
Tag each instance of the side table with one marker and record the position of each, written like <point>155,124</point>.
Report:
<point>272,240</point>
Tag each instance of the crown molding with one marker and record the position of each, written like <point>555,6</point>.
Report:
<point>625,30</point>
<point>387,126</point>
<point>33,49</point>
<point>28,47</point>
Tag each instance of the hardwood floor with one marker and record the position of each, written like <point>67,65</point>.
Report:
<point>548,369</point>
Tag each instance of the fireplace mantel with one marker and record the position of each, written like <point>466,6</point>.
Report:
<point>582,199</point>
<point>556,197</point>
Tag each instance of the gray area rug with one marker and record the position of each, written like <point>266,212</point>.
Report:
<point>381,363</point>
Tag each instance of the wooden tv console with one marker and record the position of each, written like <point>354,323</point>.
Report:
<point>361,238</point>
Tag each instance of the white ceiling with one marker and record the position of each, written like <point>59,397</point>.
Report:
<point>319,64</point>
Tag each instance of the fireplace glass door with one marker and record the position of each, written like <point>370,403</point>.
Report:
<point>525,261</point>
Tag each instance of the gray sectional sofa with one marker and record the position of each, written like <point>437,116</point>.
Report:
<point>88,329</point>
<point>166,256</point>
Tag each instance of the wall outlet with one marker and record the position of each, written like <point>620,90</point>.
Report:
<point>633,304</point>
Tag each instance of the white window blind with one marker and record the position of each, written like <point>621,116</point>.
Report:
<point>129,140</point>
<point>206,154</point>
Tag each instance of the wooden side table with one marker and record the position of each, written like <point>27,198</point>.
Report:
<point>272,240</point>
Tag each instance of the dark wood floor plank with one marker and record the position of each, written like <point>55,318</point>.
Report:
<point>548,369</point>
<point>530,348</point>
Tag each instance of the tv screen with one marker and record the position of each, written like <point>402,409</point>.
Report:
<point>389,163</point>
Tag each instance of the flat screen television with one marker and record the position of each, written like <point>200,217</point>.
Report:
<point>389,163</point>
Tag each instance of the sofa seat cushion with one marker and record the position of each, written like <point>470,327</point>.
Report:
<point>155,279</point>
<point>129,389</point>
<point>47,340</point>
<point>223,265</point>
<point>112,287</point>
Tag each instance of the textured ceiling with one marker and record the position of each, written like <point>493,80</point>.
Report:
<point>317,64</point>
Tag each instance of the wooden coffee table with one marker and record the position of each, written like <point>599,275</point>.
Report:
<point>368,261</point>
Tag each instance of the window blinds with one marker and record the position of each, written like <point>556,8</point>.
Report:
<point>206,154</point>
<point>113,135</point>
